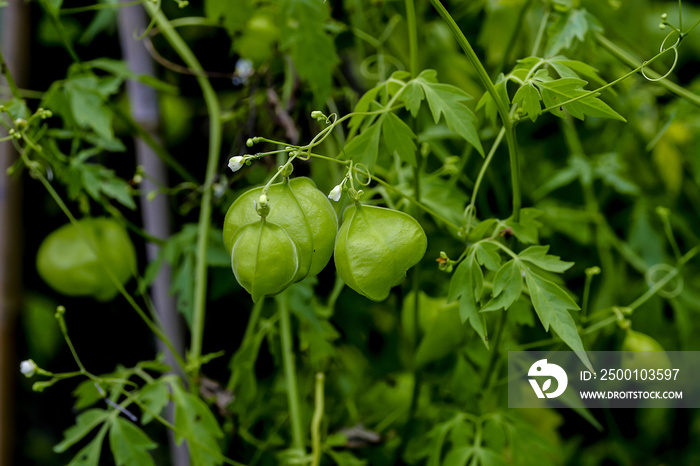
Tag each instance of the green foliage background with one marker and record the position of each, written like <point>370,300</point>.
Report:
<point>418,378</point>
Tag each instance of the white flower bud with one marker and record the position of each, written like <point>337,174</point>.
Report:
<point>335,193</point>
<point>28,368</point>
<point>235,163</point>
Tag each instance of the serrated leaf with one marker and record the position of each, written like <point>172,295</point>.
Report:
<point>155,396</point>
<point>573,69</point>
<point>312,49</point>
<point>489,105</point>
<point>364,148</point>
<point>552,305</point>
<point>529,99</point>
<point>232,15</point>
<point>467,285</point>
<point>398,138</point>
<point>487,255</point>
<point>196,424</point>
<point>555,92</point>
<point>563,31</point>
<point>412,95</point>
<point>129,444</point>
<point>363,105</point>
<point>446,100</point>
<point>84,424</point>
<point>522,69</point>
<point>507,286</point>
<point>526,230</point>
<point>89,455</point>
<point>538,255</point>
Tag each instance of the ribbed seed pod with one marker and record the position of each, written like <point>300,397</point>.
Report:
<point>375,247</point>
<point>298,207</point>
<point>264,258</point>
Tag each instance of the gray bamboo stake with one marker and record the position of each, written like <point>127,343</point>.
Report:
<point>155,213</point>
<point>14,40</point>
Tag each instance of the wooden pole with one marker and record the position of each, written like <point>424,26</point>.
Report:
<point>14,40</point>
<point>155,213</point>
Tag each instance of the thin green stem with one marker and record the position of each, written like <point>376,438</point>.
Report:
<point>500,105</point>
<point>671,238</point>
<point>680,16</point>
<point>494,353</point>
<point>667,278</point>
<point>8,77</point>
<point>64,330</point>
<point>290,373</point>
<point>628,59</point>
<point>540,32</point>
<point>156,146</point>
<point>316,421</point>
<point>515,32</point>
<point>480,177</point>
<point>249,331</point>
<point>212,103</point>
<point>412,37</point>
<point>414,201</point>
<point>99,6</point>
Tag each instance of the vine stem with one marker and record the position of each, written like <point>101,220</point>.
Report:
<point>212,103</point>
<point>412,37</point>
<point>494,354</point>
<point>290,372</point>
<point>316,421</point>
<point>8,77</point>
<point>629,60</point>
<point>502,108</point>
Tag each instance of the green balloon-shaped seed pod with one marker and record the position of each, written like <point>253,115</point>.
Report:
<point>298,207</point>
<point>264,258</point>
<point>69,264</point>
<point>375,247</point>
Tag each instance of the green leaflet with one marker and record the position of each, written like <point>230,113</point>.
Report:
<point>507,286</point>
<point>313,50</point>
<point>155,397</point>
<point>84,424</point>
<point>196,424</point>
<point>90,454</point>
<point>555,92</point>
<point>467,286</point>
<point>552,305</point>
<point>129,444</point>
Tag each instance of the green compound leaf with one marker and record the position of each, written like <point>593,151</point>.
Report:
<point>196,424</point>
<point>555,92</point>
<point>84,424</point>
<point>90,454</point>
<point>312,49</point>
<point>399,138</point>
<point>552,305</point>
<point>529,99</point>
<point>155,396</point>
<point>364,148</point>
<point>446,100</point>
<point>507,286</point>
<point>538,256</point>
<point>129,444</point>
<point>467,285</point>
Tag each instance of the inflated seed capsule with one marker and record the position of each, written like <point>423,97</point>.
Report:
<point>375,247</point>
<point>298,207</point>
<point>264,258</point>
